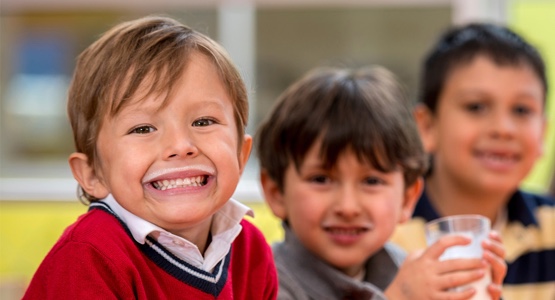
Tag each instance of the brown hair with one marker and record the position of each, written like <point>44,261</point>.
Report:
<point>361,110</point>
<point>112,71</point>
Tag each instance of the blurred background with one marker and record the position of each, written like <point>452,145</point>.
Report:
<point>272,41</point>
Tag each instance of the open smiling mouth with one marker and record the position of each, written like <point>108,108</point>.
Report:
<point>168,184</point>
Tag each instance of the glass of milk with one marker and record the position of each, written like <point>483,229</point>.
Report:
<point>476,228</point>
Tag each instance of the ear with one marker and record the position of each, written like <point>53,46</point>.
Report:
<point>412,194</point>
<point>245,152</point>
<point>272,195</point>
<point>86,176</point>
<point>426,127</point>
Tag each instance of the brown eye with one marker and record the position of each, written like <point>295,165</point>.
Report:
<point>203,122</point>
<point>373,181</point>
<point>475,107</point>
<point>522,110</point>
<point>142,129</point>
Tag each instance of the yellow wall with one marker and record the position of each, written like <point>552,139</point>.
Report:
<point>535,20</point>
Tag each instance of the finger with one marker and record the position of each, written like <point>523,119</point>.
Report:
<point>460,278</point>
<point>460,264</point>
<point>494,235</point>
<point>494,291</point>
<point>459,294</point>
<point>437,248</point>
<point>415,254</point>
<point>495,247</point>
<point>498,267</point>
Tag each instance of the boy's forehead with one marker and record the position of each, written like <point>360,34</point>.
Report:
<point>484,63</point>
<point>134,91</point>
<point>483,76</point>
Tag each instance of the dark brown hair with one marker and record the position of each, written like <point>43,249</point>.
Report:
<point>459,45</point>
<point>362,110</point>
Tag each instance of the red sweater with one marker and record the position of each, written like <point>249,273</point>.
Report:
<point>97,258</point>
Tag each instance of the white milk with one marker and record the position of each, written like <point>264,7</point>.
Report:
<point>475,228</point>
<point>472,250</point>
<point>481,287</point>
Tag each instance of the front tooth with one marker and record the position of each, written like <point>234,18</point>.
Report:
<point>179,181</point>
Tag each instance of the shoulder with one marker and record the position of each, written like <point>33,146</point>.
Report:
<point>289,284</point>
<point>531,209</point>
<point>89,251</point>
<point>250,234</point>
<point>396,253</point>
<point>251,244</point>
<point>252,263</point>
<point>96,235</point>
<point>97,227</point>
<point>537,199</point>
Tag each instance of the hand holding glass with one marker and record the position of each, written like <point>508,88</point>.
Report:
<point>476,228</point>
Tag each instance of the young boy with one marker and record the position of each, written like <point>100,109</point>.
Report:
<point>482,119</point>
<point>158,112</point>
<point>341,165</point>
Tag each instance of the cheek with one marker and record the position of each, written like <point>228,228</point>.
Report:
<point>226,152</point>
<point>303,207</point>
<point>388,209</point>
<point>456,138</point>
<point>122,167</point>
<point>535,138</point>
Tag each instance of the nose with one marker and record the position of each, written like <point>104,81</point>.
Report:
<point>347,203</point>
<point>502,125</point>
<point>179,144</point>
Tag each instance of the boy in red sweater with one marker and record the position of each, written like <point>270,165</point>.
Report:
<point>158,113</point>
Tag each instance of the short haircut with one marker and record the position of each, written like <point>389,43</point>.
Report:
<point>362,110</point>
<point>460,45</point>
<point>152,50</point>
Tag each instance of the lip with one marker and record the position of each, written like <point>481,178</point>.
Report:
<point>497,161</point>
<point>173,181</point>
<point>179,172</point>
<point>346,235</point>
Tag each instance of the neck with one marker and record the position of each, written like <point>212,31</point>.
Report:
<point>450,198</point>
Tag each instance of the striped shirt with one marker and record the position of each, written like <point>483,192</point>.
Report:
<point>528,235</point>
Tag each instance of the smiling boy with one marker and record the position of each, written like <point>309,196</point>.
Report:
<point>482,118</point>
<point>341,165</point>
<point>158,112</point>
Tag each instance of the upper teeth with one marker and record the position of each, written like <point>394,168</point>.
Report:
<point>174,183</point>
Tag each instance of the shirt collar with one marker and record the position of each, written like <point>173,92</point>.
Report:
<point>225,228</point>
<point>229,215</point>
<point>519,209</point>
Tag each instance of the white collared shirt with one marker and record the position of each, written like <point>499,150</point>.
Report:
<point>225,228</point>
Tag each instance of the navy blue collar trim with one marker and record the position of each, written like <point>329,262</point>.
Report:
<point>210,283</point>
<point>520,208</point>
<point>424,208</point>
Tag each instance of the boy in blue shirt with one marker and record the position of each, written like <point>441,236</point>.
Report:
<point>482,118</point>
